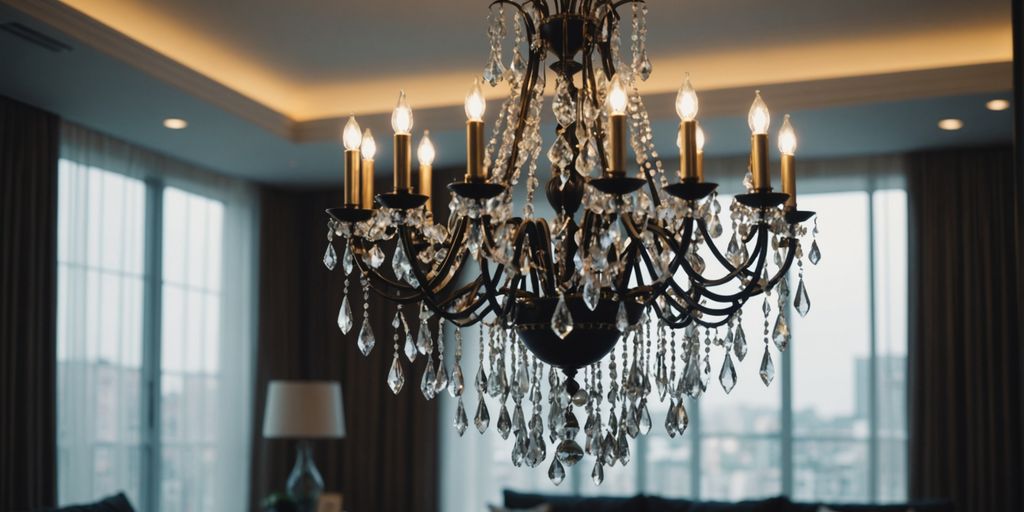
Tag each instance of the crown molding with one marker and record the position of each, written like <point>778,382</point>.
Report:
<point>102,38</point>
<point>734,101</point>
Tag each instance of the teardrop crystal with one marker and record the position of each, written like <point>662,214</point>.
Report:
<point>682,418</point>
<point>645,418</point>
<point>427,382</point>
<point>504,422</point>
<point>423,341</point>
<point>396,377</point>
<point>461,421</point>
<point>375,258</point>
<point>330,257</point>
<point>739,343</point>
<point>767,368</point>
<point>597,475</point>
<point>569,452</point>
<point>482,418</point>
<point>458,383</point>
<point>366,338</point>
<point>591,294</point>
<point>727,376</point>
<point>622,445</point>
<point>815,255</point>
<point>345,316</point>
<point>410,348</point>
<point>802,303</point>
<point>561,321</point>
<point>780,334</point>
<point>621,318</point>
<point>346,261</point>
<point>441,379</point>
<point>556,473</point>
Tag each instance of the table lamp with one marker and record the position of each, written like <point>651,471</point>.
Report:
<point>304,410</point>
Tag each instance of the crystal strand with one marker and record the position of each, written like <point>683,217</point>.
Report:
<point>645,62</point>
<point>330,257</point>
<point>345,311</point>
<point>814,256</point>
<point>457,383</point>
<point>635,39</point>
<point>366,339</point>
<point>441,375</point>
<point>396,375</point>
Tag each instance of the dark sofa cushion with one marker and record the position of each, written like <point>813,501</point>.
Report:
<point>575,503</point>
<point>118,503</point>
<point>655,504</point>
<point>916,506</point>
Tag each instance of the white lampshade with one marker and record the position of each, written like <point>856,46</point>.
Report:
<point>304,410</point>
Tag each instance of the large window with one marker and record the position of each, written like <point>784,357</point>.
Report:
<point>831,427</point>
<point>152,372</point>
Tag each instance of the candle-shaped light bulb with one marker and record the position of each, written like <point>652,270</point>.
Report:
<point>787,138</point>
<point>425,152</point>
<point>617,95</point>
<point>401,117</point>
<point>369,146</point>
<point>700,139</point>
<point>475,104</point>
<point>758,119</point>
<point>686,101</point>
<point>352,136</point>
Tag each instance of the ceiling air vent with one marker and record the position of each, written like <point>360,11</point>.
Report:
<point>35,37</point>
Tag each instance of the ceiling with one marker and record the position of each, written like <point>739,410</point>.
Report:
<point>264,84</point>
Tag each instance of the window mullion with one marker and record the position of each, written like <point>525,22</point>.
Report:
<point>786,425</point>
<point>152,307</point>
<point>872,356</point>
<point>695,471</point>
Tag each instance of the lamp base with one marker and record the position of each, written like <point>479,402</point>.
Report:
<point>305,483</point>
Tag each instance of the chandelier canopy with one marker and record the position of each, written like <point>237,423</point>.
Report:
<point>620,264</point>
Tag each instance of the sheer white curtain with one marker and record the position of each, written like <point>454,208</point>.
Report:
<point>156,333</point>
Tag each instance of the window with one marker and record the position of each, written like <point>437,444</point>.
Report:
<point>153,366</point>
<point>831,427</point>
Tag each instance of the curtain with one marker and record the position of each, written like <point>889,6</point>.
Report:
<point>964,377</point>
<point>28,246</point>
<point>156,266</point>
<point>388,460</point>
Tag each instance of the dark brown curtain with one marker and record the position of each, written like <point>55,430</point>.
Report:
<point>388,460</point>
<point>966,421</point>
<point>28,287</point>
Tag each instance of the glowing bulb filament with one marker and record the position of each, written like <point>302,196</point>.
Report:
<point>475,104</point>
<point>758,119</point>
<point>401,117</point>
<point>369,146</point>
<point>352,136</point>
<point>787,138</point>
<point>617,95</point>
<point>686,101</point>
<point>425,151</point>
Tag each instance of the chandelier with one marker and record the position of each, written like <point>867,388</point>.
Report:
<point>587,313</point>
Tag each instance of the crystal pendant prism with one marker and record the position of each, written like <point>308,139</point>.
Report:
<point>569,452</point>
<point>483,418</point>
<point>441,379</point>
<point>597,475</point>
<point>504,424</point>
<point>375,258</point>
<point>346,262</point>
<point>366,339</point>
<point>457,383</point>
<point>621,318</point>
<point>556,473</point>
<point>396,377</point>
<point>682,418</point>
<point>815,255</point>
<point>410,348</point>
<point>423,341</point>
<point>561,321</point>
<point>427,383</point>
<point>461,421</point>
<point>802,303</point>
<point>345,316</point>
<point>330,257</point>
<point>739,343</point>
<point>767,368</point>
<point>591,294</point>
<point>727,376</point>
<point>780,334</point>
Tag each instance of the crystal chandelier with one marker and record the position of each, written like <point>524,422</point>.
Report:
<point>620,263</point>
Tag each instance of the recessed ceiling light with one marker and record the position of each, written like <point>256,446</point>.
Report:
<point>997,105</point>
<point>951,124</point>
<point>174,123</point>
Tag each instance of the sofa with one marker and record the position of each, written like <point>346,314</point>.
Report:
<point>516,500</point>
<point>116,503</point>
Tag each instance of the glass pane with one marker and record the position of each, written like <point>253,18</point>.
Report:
<point>735,468</point>
<point>193,391</point>
<point>668,460</point>
<point>833,471</point>
<point>830,365</point>
<point>891,311</point>
<point>101,249</point>
<point>892,470</point>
